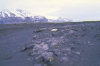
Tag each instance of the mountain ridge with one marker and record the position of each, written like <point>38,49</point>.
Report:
<point>22,16</point>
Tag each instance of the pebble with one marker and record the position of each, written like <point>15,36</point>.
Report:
<point>64,59</point>
<point>78,53</point>
<point>37,65</point>
<point>54,30</point>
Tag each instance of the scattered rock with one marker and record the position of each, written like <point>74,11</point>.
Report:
<point>37,65</point>
<point>78,53</point>
<point>7,57</point>
<point>64,59</point>
<point>91,44</point>
<point>72,48</point>
<point>38,31</point>
<point>54,30</point>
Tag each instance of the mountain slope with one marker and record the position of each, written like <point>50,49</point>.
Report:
<point>22,16</point>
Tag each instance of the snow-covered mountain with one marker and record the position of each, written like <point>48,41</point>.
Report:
<point>59,19</point>
<point>22,16</point>
<point>15,13</point>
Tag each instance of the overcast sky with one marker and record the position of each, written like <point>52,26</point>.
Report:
<point>72,9</point>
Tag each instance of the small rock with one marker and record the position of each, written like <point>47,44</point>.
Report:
<point>64,59</point>
<point>48,56</point>
<point>78,53</point>
<point>51,59</point>
<point>72,48</point>
<point>8,57</point>
<point>57,46</point>
<point>38,31</point>
<point>37,65</point>
<point>91,44</point>
<point>54,30</point>
<point>41,46</point>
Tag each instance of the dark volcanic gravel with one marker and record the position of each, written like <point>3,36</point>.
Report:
<point>74,44</point>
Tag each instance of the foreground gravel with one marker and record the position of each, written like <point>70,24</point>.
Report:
<point>74,44</point>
